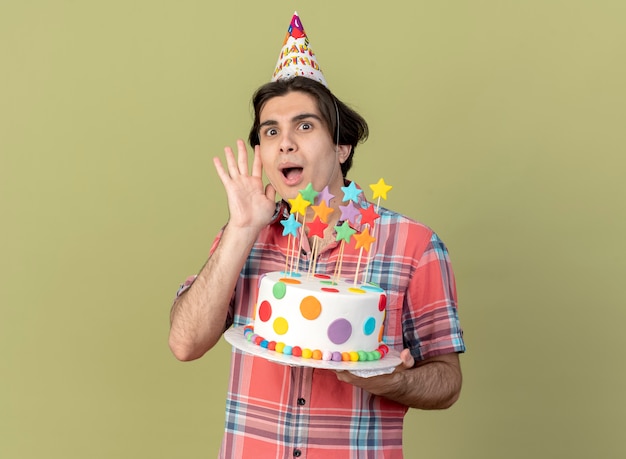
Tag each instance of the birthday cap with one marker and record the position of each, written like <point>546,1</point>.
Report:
<point>296,57</point>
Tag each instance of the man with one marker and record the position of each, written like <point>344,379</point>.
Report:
<point>303,134</point>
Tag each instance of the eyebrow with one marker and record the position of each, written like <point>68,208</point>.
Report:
<point>300,117</point>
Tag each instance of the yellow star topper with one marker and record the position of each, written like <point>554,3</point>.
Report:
<point>299,205</point>
<point>380,189</point>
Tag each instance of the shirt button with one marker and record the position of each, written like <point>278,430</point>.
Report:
<point>301,401</point>
<point>297,452</point>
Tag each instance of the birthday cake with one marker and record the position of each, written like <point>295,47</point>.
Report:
<point>319,318</point>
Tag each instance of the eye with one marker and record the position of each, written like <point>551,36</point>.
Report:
<point>269,132</point>
<point>306,126</point>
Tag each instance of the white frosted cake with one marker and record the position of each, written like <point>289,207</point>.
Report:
<point>313,316</point>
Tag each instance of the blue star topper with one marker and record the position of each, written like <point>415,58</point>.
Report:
<point>290,226</point>
<point>351,192</point>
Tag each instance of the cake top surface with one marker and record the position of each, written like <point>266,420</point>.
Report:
<point>323,283</point>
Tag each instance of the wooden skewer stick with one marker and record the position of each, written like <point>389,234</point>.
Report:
<point>358,265</point>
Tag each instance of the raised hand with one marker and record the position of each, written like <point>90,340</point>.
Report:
<point>250,204</point>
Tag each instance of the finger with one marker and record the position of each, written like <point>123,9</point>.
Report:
<point>221,172</point>
<point>257,165</point>
<point>233,170</point>
<point>343,376</point>
<point>242,157</point>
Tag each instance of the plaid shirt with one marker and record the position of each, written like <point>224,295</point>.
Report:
<point>278,411</point>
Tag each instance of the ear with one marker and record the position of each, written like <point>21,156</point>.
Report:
<point>343,151</point>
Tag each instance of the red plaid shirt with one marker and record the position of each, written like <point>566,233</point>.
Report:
<point>279,411</point>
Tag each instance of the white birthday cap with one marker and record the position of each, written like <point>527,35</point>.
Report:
<point>296,56</point>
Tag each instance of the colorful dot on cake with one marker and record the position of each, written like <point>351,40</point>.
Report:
<point>271,345</point>
<point>288,280</point>
<point>372,288</point>
<point>322,276</point>
<point>334,356</point>
<point>362,355</point>
<point>279,347</point>
<point>345,356</point>
<point>307,353</point>
<point>279,290</point>
<point>369,326</point>
<point>280,326</point>
<point>328,282</point>
<point>296,351</point>
<point>339,331</point>
<point>310,308</point>
<point>382,302</point>
<point>329,290</point>
<point>317,355</point>
<point>356,290</point>
<point>264,343</point>
<point>354,356</point>
<point>265,311</point>
<point>287,350</point>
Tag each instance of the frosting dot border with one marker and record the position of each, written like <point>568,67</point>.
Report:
<point>282,348</point>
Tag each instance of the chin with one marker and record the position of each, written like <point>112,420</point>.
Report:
<point>288,194</point>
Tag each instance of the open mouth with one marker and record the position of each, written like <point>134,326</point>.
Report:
<point>292,173</point>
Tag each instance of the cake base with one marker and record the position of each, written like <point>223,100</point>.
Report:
<point>365,369</point>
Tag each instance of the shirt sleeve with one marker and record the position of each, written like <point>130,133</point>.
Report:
<point>185,285</point>
<point>430,320</point>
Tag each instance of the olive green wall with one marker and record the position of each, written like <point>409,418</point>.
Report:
<point>499,123</point>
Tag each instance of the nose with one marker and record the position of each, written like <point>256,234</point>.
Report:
<point>287,144</point>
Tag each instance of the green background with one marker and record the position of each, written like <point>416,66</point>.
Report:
<point>499,123</point>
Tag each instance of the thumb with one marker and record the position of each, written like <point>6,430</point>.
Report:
<point>270,192</point>
<point>407,359</point>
